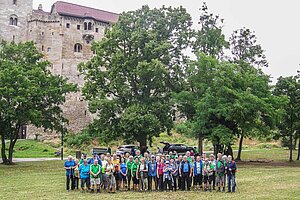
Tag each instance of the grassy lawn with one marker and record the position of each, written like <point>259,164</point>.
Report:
<point>32,149</point>
<point>46,180</point>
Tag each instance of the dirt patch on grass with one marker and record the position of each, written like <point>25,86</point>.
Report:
<point>268,163</point>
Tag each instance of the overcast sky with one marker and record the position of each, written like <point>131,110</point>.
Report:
<point>276,23</point>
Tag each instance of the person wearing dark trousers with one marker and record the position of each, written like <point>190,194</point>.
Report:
<point>178,161</point>
<point>185,172</point>
<point>167,179</point>
<point>213,163</point>
<point>160,174</point>
<point>69,167</point>
<point>174,173</point>
<point>152,173</point>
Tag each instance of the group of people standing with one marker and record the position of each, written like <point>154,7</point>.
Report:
<point>161,172</point>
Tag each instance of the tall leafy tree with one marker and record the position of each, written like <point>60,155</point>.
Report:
<point>246,52</point>
<point>210,38</point>
<point>136,67</point>
<point>290,87</point>
<point>29,94</point>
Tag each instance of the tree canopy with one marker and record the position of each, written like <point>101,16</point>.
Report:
<point>29,93</point>
<point>137,66</point>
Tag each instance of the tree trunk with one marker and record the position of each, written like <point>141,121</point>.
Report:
<point>229,151</point>
<point>200,145</point>
<point>240,148</point>
<point>3,155</point>
<point>12,145</point>
<point>298,156</point>
<point>291,146</point>
<point>143,144</point>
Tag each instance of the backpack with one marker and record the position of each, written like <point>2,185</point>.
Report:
<point>220,169</point>
<point>182,165</point>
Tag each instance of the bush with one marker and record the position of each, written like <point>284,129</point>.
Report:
<point>267,146</point>
<point>77,140</point>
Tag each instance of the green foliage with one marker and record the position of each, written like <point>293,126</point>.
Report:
<point>244,48</point>
<point>78,140</point>
<point>137,66</point>
<point>210,38</point>
<point>29,92</point>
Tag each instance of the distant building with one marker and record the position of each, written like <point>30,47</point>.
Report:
<point>64,35</point>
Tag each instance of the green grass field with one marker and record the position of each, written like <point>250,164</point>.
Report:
<point>46,180</point>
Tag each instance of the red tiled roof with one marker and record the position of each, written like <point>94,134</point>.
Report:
<point>75,10</point>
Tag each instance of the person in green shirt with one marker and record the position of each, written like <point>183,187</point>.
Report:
<point>220,173</point>
<point>95,170</point>
<point>128,170</point>
<point>134,174</point>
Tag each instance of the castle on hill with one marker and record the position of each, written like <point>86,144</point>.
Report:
<point>64,35</point>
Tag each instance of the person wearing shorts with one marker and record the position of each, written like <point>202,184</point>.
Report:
<point>207,172</point>
<point>95,171</point>
<point>84,175</point>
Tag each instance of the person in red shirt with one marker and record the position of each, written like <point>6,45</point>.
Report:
<point>160,173</point>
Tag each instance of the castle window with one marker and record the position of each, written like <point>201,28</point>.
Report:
<point>42,47</point>
<point>15,2</point>
<point>85,26</point>
<point>78,27</point>
<point>97,30</point>
<point>13,20</point>
<point>77,47</point>
<point>42,33</point>
<point>68,25</point>
<point>90,26</point>
<point>49,49</point>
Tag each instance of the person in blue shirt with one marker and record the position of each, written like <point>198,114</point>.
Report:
<point>185,171</point>
<point>197,173</point>
<point>69,167</point>
<point>95,156</point>
<point>168,179</point>
<point>152,173</point>
<point>123,169</point>
<point>231,169</point>
<point>84,174</point>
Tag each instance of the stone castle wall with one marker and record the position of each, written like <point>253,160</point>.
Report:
<point>55,36</point>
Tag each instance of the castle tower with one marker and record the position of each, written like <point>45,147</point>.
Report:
<point>13,19</point>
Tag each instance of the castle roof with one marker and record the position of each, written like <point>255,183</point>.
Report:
<point>70,9</point>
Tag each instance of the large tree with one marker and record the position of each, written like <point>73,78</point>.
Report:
<point>235,100</point>
<point>290,87</point>
<point>136,67</point>
<point>246,52</point>
<point>209,40</point>
<point>29,93</point>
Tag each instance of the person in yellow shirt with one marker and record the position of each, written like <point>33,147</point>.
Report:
<point>117,174</point>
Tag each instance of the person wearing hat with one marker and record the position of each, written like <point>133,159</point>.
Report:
<point>84,174</point>
<point>152,170</point>
<point>167,179</point>
<point>69,167</point>
<point>95,157</point>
